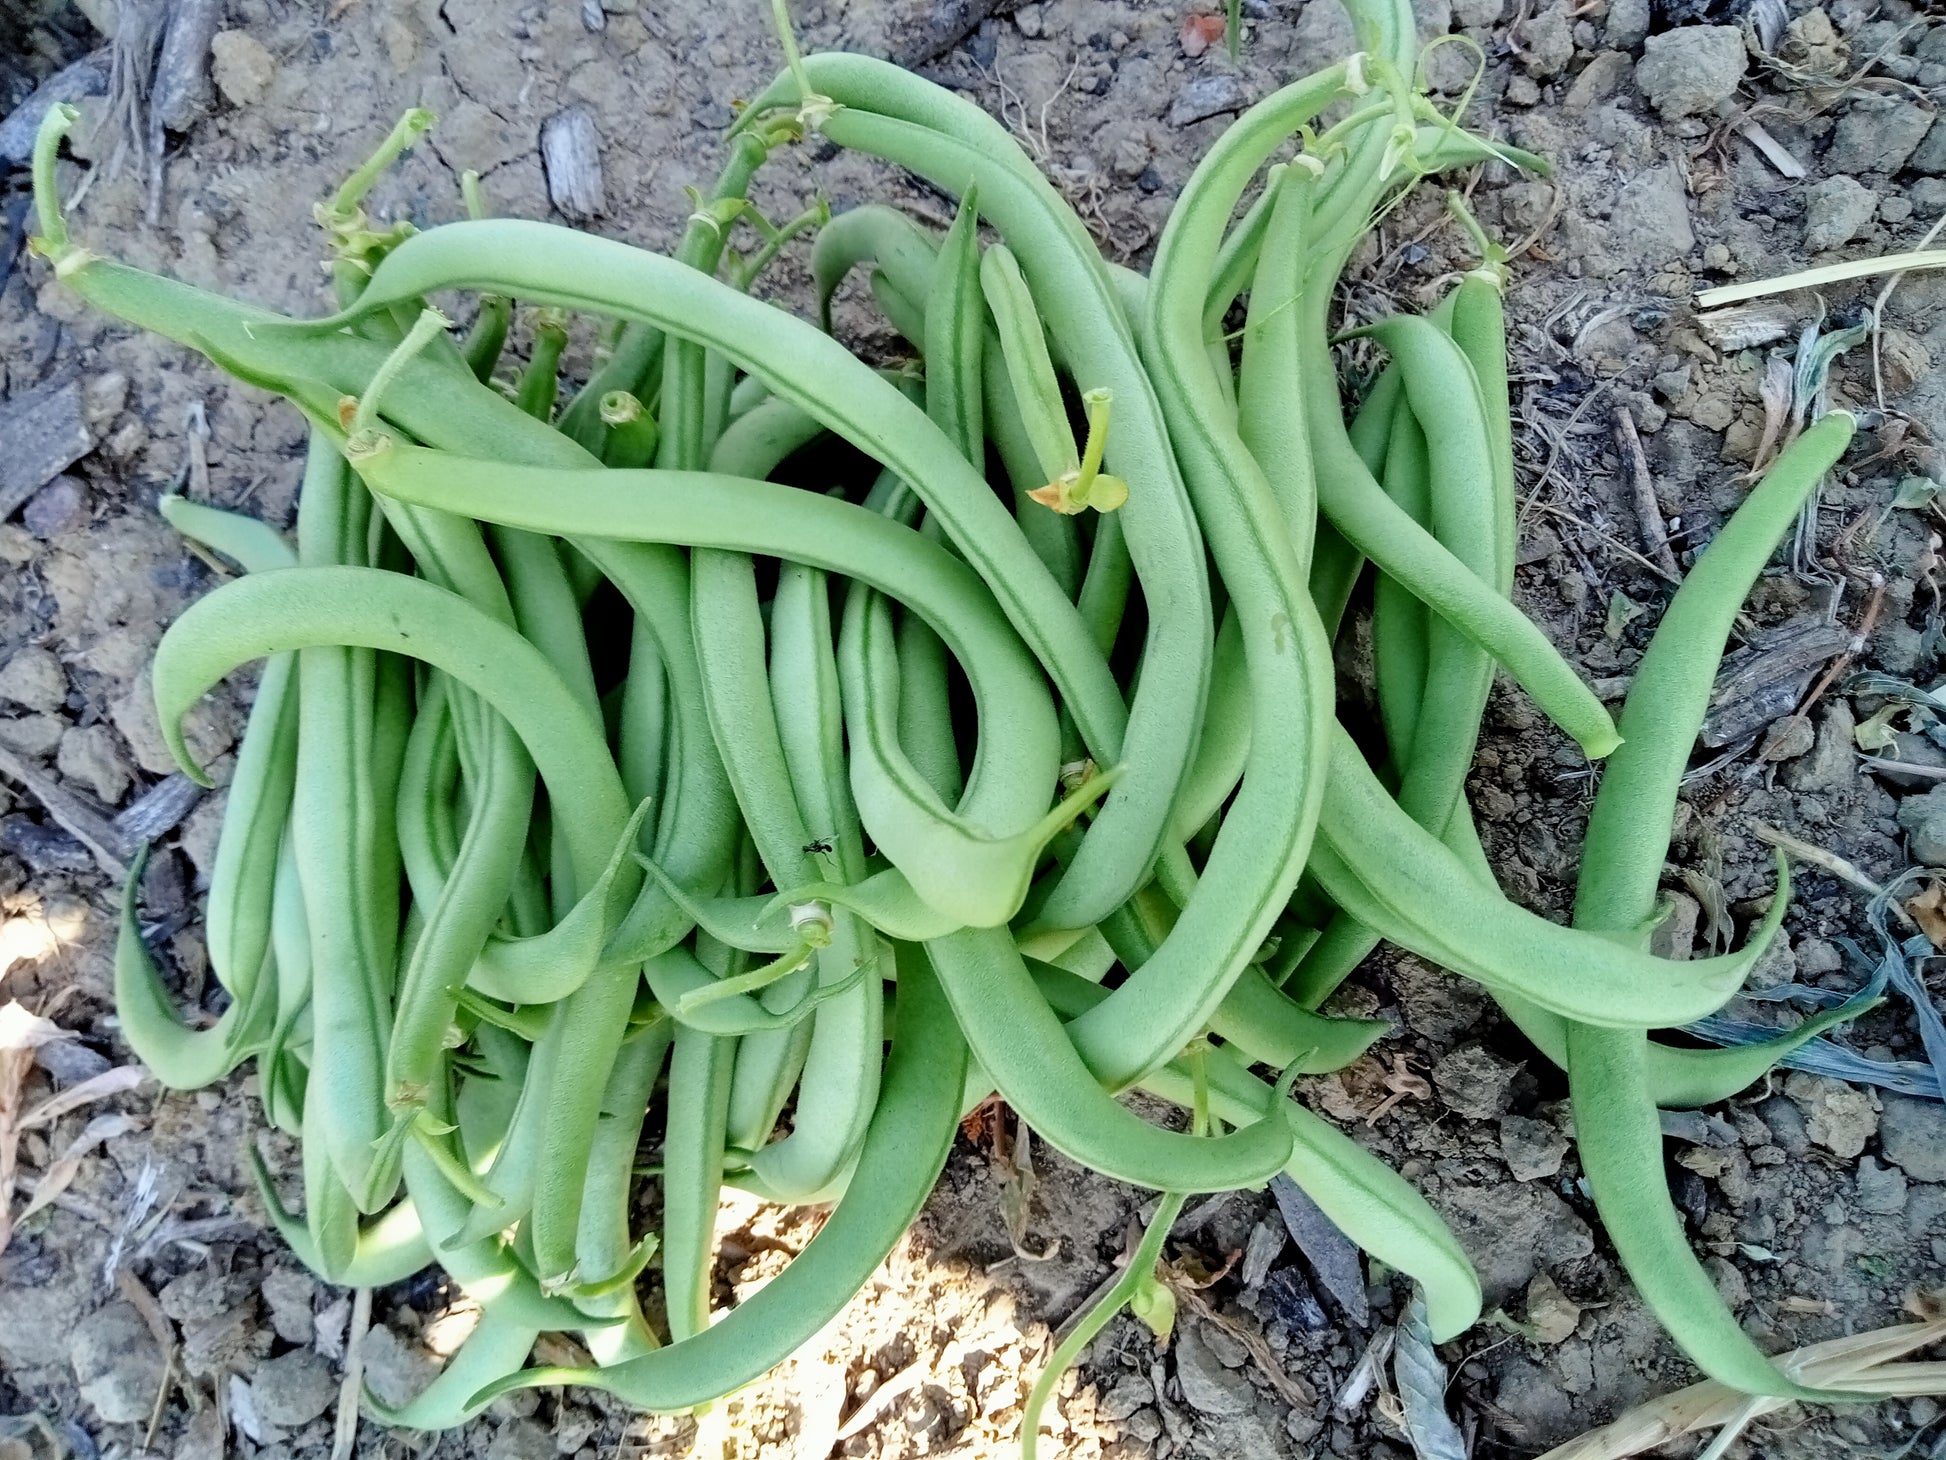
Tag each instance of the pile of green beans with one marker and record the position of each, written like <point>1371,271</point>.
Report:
<point>631,768</point>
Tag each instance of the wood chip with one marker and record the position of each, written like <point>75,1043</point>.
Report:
<point>45,433</point>
<point>181,91</point>
<point>1746,326</point>
<point>1758,685</point>
<point>571,155</point>
<point>1648,513</point>
<point>1330,1253</point>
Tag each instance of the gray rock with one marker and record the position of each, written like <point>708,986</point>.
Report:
<point>1628,24</point>
<point>1436,1004</point>
<point>1475,1081</point>
<point>1208,94</point>
<point>1786,1124</point>
<point>1928,195</point>
<point>1651,219</point>
<point>1924,820</point>
<point>293,1389</point>
<point>59,507</point>
<point>1834,212</point>
<point>1549,42</point>
<point>85,78</point>
<point>1599,80</point>
<point>1880,1188</point>
<point>90,757</point>
<point>1837,1116</point>
<point>291,1294</point>
<point>1532,1148</point>
<point>1692,70</point>
<point>241,67</point>
<point>1877,135</point>
<point>396,1371</point>
<point>34,679</point>
<point>1833,761</point>
<point>521,1439</point>
<point>1930,155</point>
<point>1512,1232</point>
<point>1912,1132</point>
<point>116,1363</point>
<point>1130,1393</point>
<point>1207,1386</point>
<point>1470,13</point>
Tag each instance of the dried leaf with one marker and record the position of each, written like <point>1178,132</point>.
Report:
<point>1877,735</point>
<point>118,1081</point>
<point>1916,492</point>
<point>1199,33</point>
<point>1928,910</point>
<point>1861,1363</point>
<point>1421,1378</point>
<point>61,1172</point>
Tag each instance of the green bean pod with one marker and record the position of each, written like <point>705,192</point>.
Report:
<point>1616,1127</point>
<point>904,1150</point>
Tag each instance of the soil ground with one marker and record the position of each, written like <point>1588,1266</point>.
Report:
<point>1820,1206</point>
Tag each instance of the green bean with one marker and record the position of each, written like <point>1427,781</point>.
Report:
<point>253,545</point>
<point>1274,433</point>
<point>1397,878</point>
<point>1261,849</point>
<point>334,804</point>
<point>540,381</point>
<point>609,1257</point>
<point>179,1057</point>
<point>497,1345</point>
<point>1365,1198</point>
<point>904,1149</point>
<point>386,1250</point>
<point>1033,1060</point>
<point>1616,1126</point>
<point>841,1069</point>
<point>692,1174</point>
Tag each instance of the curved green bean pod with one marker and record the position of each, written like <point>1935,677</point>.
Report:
<point>180,1057</point>
<point>1616,1128</point>
<point>904,1150</point>
<point>799,364</point>
<point>389,1249</point>
<point>498,1345</point>
<point>252,544</point>
<point>1260,851</point>
<point>1397,878</point>
<point>1030,1057</point>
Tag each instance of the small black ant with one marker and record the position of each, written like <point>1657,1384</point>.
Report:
<point>819,848</point>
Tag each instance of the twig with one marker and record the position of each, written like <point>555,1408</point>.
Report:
<point>1295,1391</point>
<point>1817,856</point>
<point>143,1301</point>
<point>344,1432</point>
<point>1609,538</point>
<point>1903,767</point>
<point>1635,466</point>
<point>1878,315</point>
